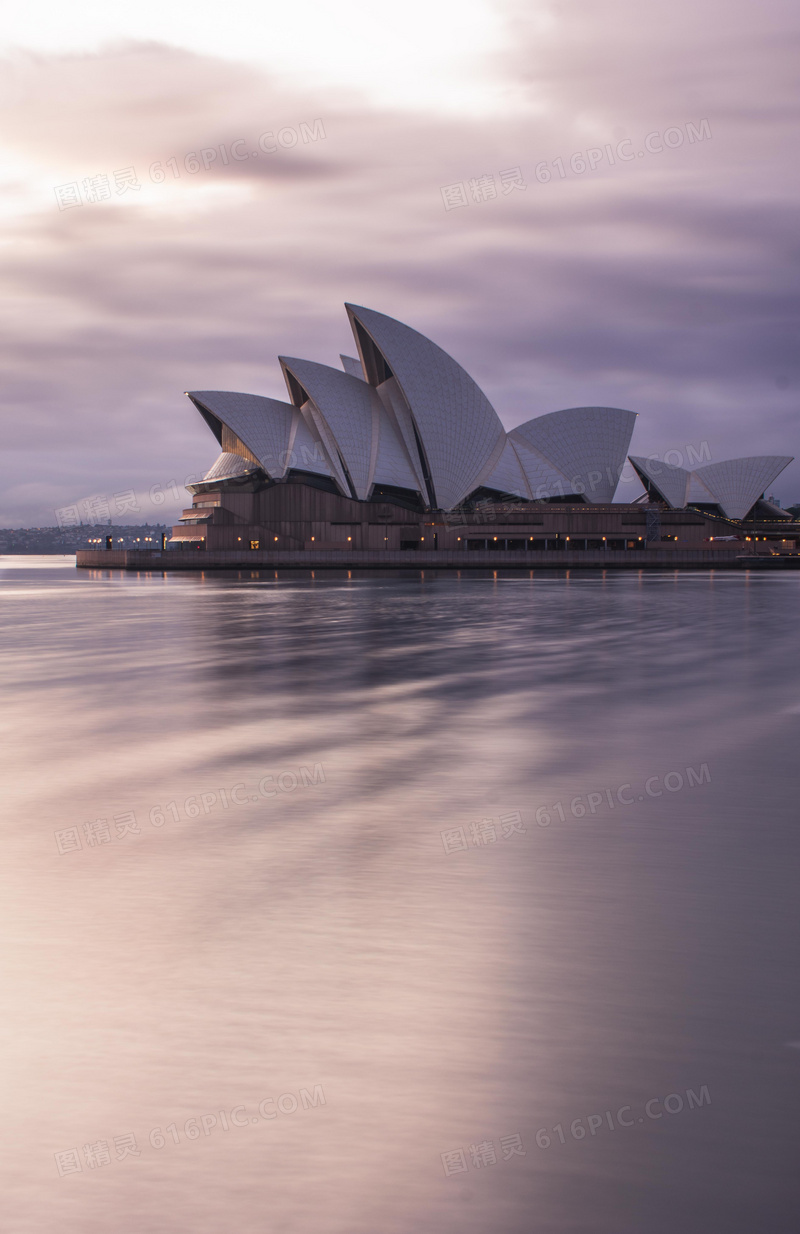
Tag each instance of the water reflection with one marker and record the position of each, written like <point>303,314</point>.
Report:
<point>318,932</point>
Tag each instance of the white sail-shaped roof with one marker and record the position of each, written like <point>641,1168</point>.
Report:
<point>229,465</point>
<point>263,431</point>
<point>262,425</point>
<point>544,480</point>
<point>399,413</point>
<point>587,444</point>
<point>320,431</point>
<point>696,491</point>
<point>392,463</point>
<point>507,475</point>
<point>457,426</point>
<point>352,366</point>
<point>405,415</point>
<point>737,483</point>
<point>671,482</point>
<point>349,409</point>
<point>307,452</point>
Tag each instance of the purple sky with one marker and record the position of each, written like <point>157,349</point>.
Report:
<point>666,283</point>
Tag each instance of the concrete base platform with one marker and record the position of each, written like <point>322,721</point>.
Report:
<point>292,559</point>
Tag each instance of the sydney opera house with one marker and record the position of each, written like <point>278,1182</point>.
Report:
<point>400,450</point>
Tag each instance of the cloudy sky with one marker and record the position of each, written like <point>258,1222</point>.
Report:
<point>190,190</point>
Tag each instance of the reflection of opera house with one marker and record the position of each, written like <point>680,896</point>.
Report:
<point>401,450</point>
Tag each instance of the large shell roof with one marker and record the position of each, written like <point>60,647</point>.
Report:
<point>406,415</point>
<point>457,425</point>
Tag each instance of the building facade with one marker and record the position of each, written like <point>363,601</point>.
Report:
<point>399,450</point>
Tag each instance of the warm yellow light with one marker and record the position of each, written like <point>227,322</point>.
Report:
<point>276,537</point>
<point>349,537</point>
<point>312,539</point>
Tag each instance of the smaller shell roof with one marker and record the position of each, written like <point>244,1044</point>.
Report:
<point>670,481</point>
<point>352,365</point>
<point>587,444</point>
<point>307,452</point>
<point>696,491</point>
<point>350,410</point>
<point>543,478</point>
<point>508,475</point>
<point>392,464</point>
<point>262,425</point>
<point>737,483</point>
<point>229,465</point>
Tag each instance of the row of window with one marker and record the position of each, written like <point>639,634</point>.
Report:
<point>500,544</point>
<point>494,544</point>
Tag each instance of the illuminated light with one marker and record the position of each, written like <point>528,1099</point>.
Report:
<point>349,538</point>
<point>312,539</point>
<point>276,537</point>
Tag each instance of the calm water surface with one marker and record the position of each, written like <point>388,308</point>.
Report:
<point>271,858</point>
